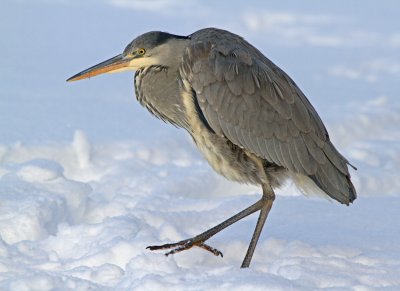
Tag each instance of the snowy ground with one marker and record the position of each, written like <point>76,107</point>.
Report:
<point>88,178</point>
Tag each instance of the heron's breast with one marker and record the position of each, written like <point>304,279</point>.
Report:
<point>225,159</point>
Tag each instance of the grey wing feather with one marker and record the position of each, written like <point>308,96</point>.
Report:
<point>255,105</point>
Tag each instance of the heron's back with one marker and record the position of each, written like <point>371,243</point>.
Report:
<point>245,98</point>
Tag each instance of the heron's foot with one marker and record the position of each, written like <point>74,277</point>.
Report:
<point>183,246</point>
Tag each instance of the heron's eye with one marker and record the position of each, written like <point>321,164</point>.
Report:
<point>141,51</point>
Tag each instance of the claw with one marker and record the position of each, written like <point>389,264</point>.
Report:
<point>215,251</point>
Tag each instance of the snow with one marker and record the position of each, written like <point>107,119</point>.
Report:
<point>88,179</point>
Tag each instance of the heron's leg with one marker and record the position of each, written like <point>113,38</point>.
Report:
<point>268,198</point>
<point>201,238</point>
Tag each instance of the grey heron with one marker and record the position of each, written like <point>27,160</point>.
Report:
<point>247,117</point>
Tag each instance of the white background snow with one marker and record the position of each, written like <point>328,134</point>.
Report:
<point>88,178</point>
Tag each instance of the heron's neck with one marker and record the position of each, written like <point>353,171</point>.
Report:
<point>157,87</point>
<point>172,51</point>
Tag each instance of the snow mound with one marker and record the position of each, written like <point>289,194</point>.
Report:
<point>79,216</point>
<point>36,198</point>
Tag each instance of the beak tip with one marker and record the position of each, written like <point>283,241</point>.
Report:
<point>71,79</point>
<point>77,77</point>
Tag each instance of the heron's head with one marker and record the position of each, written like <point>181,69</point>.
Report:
<point>149,49</point>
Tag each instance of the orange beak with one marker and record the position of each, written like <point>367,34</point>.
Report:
<point>114,64</point>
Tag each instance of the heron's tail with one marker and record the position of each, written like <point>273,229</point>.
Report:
<point>333,178</point>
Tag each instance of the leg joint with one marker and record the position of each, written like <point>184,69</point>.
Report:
<point>268,193</point>
<point>268,197</point>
